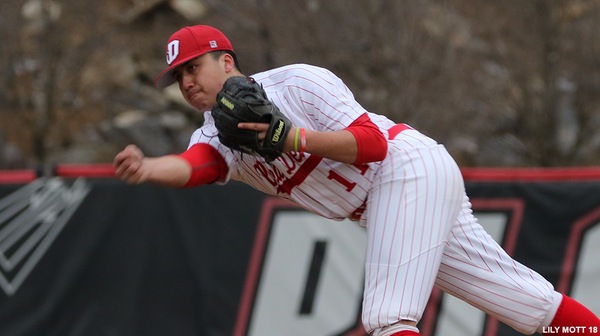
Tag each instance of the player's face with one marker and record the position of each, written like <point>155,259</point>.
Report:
<point>201,79</point>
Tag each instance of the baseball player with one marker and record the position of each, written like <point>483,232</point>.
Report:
<point>318,147</point>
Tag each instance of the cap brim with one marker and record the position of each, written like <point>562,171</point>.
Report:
<point>164,79</point>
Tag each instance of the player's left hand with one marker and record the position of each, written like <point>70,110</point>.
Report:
<point>243,100</point>
<point>262,129</point>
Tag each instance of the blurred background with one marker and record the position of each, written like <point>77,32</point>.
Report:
<point>500,83</point>
<point>508,83</point>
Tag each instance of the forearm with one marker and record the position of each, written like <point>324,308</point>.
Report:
<point>200,164</point>
<point>171,170</point>
<point>134,168</point>
<point>361,142</point>
<point>340,146</point>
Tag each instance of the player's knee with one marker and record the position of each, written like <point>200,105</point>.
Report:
<point>542,309</point>
<point>402,327</point>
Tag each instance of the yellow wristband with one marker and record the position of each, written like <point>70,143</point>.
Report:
<point>296,139</point>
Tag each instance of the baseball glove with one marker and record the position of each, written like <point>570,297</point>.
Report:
<point>244,100</point>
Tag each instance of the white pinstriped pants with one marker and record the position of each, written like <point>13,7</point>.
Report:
<point>421,231</point>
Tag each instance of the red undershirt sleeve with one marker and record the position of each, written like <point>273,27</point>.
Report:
<point>208,166</point>
<point>372,145</point>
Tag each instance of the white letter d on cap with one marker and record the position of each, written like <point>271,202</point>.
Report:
<point>172,51</point>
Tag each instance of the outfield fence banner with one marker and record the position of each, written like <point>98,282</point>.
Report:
<point>82,253</point>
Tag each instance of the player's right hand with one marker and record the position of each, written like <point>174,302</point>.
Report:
<point>130,165</point>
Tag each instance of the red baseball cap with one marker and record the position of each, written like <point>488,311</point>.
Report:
<point>187,44</point>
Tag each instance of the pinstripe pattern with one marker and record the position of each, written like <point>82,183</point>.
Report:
<point>422,230</point>
<point>411,207</point>
<point>420,226</point>
<point>313,98</point>
<point>477,270</point>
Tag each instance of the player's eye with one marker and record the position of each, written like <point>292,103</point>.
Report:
<point>190,68</point>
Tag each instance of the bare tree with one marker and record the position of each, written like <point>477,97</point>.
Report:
<point>500,83</point>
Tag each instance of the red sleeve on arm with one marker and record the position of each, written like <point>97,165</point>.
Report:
<point>208,166</point>
<point>372,145</point>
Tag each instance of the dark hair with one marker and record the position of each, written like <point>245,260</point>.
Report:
<point>218,53</point>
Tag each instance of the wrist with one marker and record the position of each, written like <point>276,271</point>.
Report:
<point>299,143</point>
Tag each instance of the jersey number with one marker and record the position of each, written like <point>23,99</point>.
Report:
<point>335,176</point>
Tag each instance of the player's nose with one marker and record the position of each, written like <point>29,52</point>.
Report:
<point>186,81</point>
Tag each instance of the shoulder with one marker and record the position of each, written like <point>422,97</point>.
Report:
<point>291,69</point>
<point>301,75</point>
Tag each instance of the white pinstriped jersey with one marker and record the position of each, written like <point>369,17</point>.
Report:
<point>420,224</point>
<point>316,99</point>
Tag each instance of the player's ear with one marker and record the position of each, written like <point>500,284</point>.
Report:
<point>228,62</point>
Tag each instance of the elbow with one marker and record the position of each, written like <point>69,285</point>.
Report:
<point>204,164</point>
<point>371,144</point>
<point>372,149</point>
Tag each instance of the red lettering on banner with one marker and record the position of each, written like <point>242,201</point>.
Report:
<point>514,208</point>
<point>508,212</point>
<point>574,248</point>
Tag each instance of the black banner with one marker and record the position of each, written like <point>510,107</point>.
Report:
<point>94,256</point>
<point>128,261</point>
